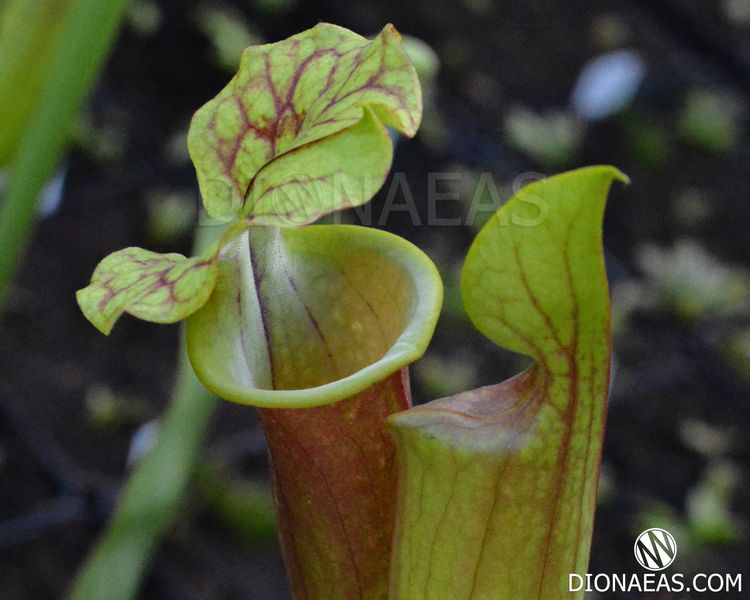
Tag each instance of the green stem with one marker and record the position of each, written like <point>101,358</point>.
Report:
<point>152,497</point>
<point>80,48</point>
<point>155,491</point>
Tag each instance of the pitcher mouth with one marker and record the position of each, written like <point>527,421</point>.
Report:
<point>252,358</point>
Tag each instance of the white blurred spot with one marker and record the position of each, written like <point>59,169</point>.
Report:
<point>738,11</point>
<point>142,441</point>
<point>606,84</point>
<point>51,195</point>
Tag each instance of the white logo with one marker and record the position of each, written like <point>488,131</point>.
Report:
<point>655,549</point>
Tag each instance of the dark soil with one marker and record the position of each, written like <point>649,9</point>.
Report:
<point>59,474</point>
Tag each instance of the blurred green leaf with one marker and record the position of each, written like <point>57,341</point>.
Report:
<point>28,32</point>
<point>693,284</point>
<point>551,139</point>
<point>709,516</point>
<point>228,33</point>
<point>710,121</point>
<point>61,49</point>
<point>171,215</point>
<point>244,506</point>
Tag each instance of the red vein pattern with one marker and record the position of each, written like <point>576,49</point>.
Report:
<point>292,94</point>
<point>162,288</point>
<point>334,480</point>
<point>516,464</point>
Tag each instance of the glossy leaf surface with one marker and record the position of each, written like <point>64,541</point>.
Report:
<point>305,317</point>
<point>50,53</point>
<point>499,484</point>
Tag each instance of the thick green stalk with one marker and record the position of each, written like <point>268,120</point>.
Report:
<point>152,498</point>
<point>28,31</point>
<point>153,495</point>
<point>85,36</point>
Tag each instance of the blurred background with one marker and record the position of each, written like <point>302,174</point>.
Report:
<point>513,90</point>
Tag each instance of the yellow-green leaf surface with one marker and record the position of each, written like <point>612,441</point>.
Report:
<point>499,484</point>
<point>303,122</point>
<point>317,326</point>
<point>28,31</point>
<point>307,316</point>
<point>161,288</point>
<point>50,52</point>
<point>324,318</point>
